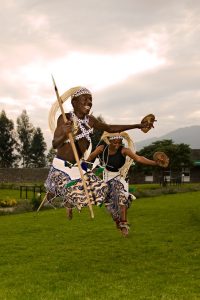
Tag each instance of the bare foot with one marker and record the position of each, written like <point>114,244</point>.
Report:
<point>124,226</point>
<point>124,231</point>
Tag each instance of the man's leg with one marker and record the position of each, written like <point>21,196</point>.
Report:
<point>123,220</point>
<point>50,196</point>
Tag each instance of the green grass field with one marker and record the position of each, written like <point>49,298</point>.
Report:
<point>45,256</point>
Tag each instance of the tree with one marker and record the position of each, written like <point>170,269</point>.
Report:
<point>179,154</point>
<point>25,133</point>
<point>51,155</point>
<point>37,150</point>
<point>7,142</point>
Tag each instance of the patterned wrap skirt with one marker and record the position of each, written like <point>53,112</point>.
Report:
<point>58,184</point>
<point>118,194</point>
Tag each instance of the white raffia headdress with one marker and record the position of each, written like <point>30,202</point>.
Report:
<point>73,93</point>
<point>106,137</point>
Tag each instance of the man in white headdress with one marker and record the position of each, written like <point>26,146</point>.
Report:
<point>64,178</point>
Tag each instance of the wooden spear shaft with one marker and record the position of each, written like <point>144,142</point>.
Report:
<point>44,199</point>
<point>74,151</point>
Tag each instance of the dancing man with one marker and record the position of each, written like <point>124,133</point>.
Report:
<point>64,178</point>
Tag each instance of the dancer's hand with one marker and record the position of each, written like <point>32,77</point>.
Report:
<point>161,159</point>
<point>147,123</point>
<point>67,128</point>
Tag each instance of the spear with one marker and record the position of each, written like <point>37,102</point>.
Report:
<point>44,199</point>
<point>74,150</point>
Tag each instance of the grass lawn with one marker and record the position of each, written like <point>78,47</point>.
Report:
<point>45,256</point>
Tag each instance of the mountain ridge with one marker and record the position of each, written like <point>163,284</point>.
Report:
<point>189,135</point>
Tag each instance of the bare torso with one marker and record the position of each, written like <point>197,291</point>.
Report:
<point>64,150</point>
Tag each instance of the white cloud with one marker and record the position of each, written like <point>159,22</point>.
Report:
<point>7,101</point>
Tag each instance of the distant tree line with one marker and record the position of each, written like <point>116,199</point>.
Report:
<point>24,146</point>
<point>179,158</point>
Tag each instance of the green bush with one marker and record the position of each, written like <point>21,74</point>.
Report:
<point>147,190</point>
<point>35,201</point>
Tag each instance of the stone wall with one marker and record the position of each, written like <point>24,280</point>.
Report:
<point>39,175</point>
<point>29,175</point>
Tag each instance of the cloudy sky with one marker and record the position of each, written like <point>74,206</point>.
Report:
<point>137,57</point>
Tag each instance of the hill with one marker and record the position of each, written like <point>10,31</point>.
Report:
<point>187,135</point>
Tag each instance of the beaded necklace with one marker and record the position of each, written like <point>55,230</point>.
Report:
<point>81,124</point>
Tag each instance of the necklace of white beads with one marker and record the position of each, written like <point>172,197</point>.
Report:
<point>81,124</point>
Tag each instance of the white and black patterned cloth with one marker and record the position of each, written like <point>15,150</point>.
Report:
<point>117,196</point>
<point>74,196</point>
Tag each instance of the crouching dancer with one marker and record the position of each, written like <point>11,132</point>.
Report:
<point>64,178</point>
